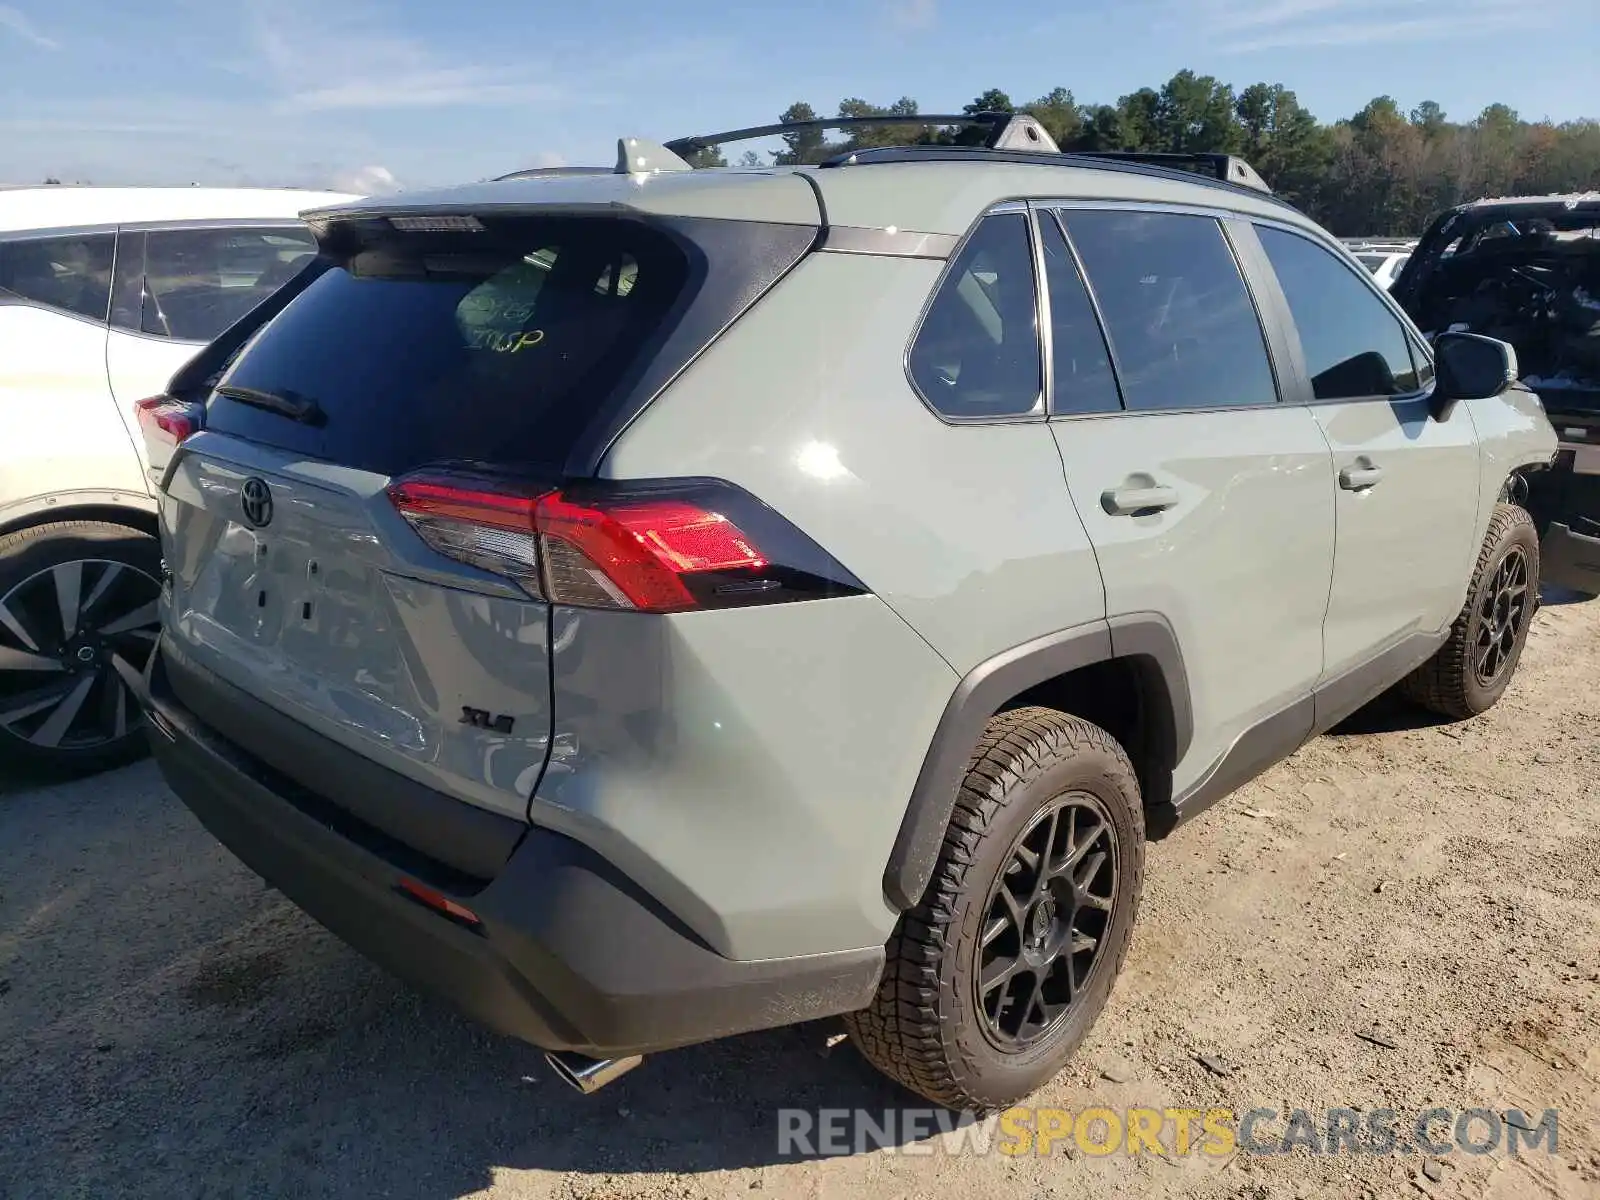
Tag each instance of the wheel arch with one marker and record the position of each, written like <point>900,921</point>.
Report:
<point>1126,674</point>
<point>117,508</point>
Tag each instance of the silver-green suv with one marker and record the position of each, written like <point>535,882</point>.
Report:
<point>652,605</point>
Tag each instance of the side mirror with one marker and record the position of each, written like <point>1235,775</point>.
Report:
<point>1471,367</point>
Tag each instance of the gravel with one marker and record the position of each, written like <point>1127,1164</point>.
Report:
<point>171,1027</point>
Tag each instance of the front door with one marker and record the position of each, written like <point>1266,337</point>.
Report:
<point>1406,483</point>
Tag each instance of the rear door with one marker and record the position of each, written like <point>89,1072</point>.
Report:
<point>1208,501</point>
<point>175,289</point>
<point>1406,483</point>
<point>55,404</point>
<point>295,578</point>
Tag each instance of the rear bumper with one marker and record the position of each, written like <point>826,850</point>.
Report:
<point>568,955</point>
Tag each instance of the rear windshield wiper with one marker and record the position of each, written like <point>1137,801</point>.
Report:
<point>286,404</point>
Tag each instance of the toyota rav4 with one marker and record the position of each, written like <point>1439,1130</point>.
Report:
<point>658,604</point>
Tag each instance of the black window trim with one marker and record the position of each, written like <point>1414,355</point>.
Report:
<point>144,227</point>
<point>1413,338</point>
<point>8,298</point>
<point>1227,221</point>
<point>1040,412</point>
<point>1044,211</point>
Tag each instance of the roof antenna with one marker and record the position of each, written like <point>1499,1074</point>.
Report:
<point>639,156</point>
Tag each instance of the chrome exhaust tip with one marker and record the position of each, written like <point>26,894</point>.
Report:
<point>589,1075</point>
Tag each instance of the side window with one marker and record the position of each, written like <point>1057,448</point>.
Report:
<point>1082,380</point>
<point>71,273</point>
<point>197,282</point>
<point>1179,316</point>
<point>1354,346</point>
<point>977,353</point>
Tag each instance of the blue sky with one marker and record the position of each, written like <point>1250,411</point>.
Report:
<point>356,93</point>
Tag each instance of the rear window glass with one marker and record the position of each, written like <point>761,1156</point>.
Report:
<point>494,346</point>
<point>71,273</point>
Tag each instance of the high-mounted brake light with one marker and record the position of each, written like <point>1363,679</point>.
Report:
<point>165,419</point>
<point>440,223</point>
<point>658,548</point>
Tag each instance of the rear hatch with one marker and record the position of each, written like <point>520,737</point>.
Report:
<point>490,344</point>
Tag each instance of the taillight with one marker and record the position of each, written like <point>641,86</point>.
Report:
<point>659,547</point>
<point>165,419</point>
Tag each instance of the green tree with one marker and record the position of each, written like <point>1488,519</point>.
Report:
<point>805,145</point>
<point>1281,140</point>
<point>1194,114</point>
<point>994,100</point>
<point>1429,118</point>
<point>1139,118</point>
<point>1058,112</point>
<point>1102,129</point>
<point>865,137</point>
<point>1382,170</point>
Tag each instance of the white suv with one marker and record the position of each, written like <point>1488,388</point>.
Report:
<point>104,293</point>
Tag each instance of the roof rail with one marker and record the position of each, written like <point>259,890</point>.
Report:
<point>1007,131</point>
<point>909,154</point>
<point>552,172</point>
<point>1226,167</point>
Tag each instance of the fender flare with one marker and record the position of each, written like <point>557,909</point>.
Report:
<point>1146,640</point>
<point>71,505</point>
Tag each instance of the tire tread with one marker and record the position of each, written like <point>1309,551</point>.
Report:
<point>901,1032</point>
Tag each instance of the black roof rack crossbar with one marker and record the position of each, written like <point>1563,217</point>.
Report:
<point>996,123</point>
<point>904,154</point>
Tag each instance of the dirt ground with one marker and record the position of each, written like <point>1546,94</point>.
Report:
<point>169,1027</point>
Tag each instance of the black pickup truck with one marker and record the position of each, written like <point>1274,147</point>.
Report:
<point>1526,270</point>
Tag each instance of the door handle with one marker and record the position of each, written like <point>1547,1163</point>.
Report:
<point>1132,501</point>
<point>1359,479</point>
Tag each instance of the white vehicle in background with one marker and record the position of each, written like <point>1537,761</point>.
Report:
<point>104,294</point>
<point>1383,258</point>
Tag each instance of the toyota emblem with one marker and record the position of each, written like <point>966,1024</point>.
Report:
<point>256,500</point>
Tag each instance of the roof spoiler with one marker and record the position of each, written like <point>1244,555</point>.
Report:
<point>635,156</point>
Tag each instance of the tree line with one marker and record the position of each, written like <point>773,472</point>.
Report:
<point>1380,172</point>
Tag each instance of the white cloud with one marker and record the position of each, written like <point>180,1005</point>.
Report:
<point>1250,26</point>
<point>347,58</point>
<point>366,181</point>
<point>914,14</point>
<point>18,23</point>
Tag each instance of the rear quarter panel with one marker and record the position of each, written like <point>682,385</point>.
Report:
<point>787,740</point>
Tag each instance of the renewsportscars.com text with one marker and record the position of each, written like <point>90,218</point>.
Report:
<point>1213,1132</point>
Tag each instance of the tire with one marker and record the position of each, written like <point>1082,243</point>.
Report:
<point>931,1027</point>
<point>1493,622</point>
<point>63,706</point>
